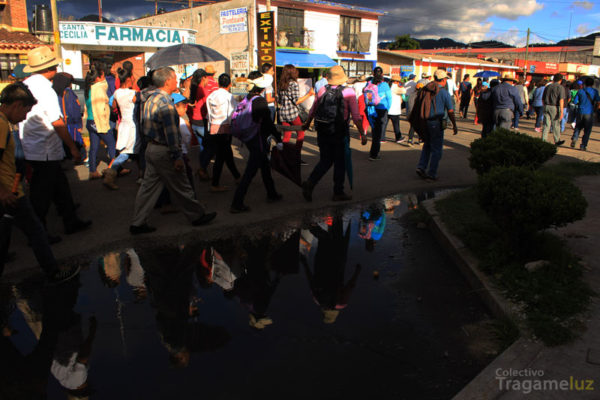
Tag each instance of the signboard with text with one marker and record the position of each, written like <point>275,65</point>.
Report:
<point>91,33</point>
<point>265,32</point>
<point>235,20</point>
<point>240,62</point>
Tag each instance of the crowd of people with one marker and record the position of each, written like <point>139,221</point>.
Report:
<point>157,119</point>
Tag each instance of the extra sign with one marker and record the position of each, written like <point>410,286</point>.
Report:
<point>234,20</point>
<point>265,32</point>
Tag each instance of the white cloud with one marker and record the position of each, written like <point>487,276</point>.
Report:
<point>587,5</point>
<point>119,17</point>
<point>584,29</point>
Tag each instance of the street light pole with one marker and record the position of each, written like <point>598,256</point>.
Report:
<point>55,28</point>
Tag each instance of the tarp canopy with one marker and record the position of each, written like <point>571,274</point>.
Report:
<point>303,59</point>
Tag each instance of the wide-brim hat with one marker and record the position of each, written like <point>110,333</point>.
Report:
<point>40,59</point>
<point>263,82</point>
<point>507,77</point>
<point>336,76</point>
<point>396,78</point>
<point>210,70</point>
<point>440,74</point>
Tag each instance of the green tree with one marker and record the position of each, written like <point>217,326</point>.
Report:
<point>404,42</point>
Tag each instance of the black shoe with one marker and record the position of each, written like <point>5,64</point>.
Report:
<point>307,189</point>
<point>302,162</point>
<point>77,226</point>
<point>430,178</point>
<point>139,229</point>
<point>205,219</point>
<point>53,239</point>
<point>238,210</point>
<point>63,276</point>
<point>341,197</point>
<point>377,158</point>
<point>560,143</point>
<point>421,173</point>
<point>275,198</point>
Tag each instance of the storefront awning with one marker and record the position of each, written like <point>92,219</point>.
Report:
<point>303,59</point>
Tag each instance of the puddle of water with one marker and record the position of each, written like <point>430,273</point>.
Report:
<point>356,303</point>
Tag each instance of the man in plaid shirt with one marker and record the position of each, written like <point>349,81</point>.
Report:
<point>164,162</point>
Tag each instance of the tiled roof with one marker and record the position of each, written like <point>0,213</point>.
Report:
<point>18,40</point>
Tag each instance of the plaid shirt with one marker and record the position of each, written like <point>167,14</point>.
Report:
<point>161,122</point>
<point>288,110</point>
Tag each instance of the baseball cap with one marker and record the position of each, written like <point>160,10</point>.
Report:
<point>178,98</point>
<point>411,76</point>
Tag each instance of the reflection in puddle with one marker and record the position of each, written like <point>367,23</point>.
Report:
<point>298,304</point>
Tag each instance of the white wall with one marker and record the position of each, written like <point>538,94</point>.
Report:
<point>75,66</point>
<point>371,25</point>
<point>326,28</point>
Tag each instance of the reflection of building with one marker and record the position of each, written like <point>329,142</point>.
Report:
<point>15,39</point>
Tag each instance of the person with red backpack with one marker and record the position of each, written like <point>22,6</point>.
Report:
<point>378,98</point>
<point>251,123</point>
<point>331,112</point>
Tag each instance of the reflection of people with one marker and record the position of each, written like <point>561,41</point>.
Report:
<point>327,280</point>
<point>372,225</point>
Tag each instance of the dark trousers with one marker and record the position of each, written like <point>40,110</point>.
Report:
<point>95,138</point>
<point>257,160</point>
<point>486,128</point>
<point>585,122</point>
<point>24,218</point>
<point>331,152</point>
<point>464,107</point>
<point>224,155</point>
<point>378,124</point>
<point>49,184</point>
<point>396,125</point>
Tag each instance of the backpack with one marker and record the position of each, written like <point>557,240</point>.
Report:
<point>329,115</point>
<point>243,125</point>
<point>371,94</point>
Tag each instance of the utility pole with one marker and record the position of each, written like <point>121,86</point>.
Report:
<point>55,28</point>
<point>99,10</point>
<point>526,55</point>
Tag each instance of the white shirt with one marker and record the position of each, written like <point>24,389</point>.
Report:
<point>410,87</point>
<point>452,88</point>
<point>40,140</point>
<point>396,105</point>
<point>220,105</point>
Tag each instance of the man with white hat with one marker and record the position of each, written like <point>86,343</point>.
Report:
<point>507,102</point>
<point>42,135</point>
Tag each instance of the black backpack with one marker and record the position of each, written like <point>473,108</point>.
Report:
<point>329,115</point>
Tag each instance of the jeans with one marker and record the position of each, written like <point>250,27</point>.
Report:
<point>25,219</point>
<point>257,159</point>
<point>585,122</point>
<point>118,162</point>
<point>378,124</point>
<point>431,154</point>
<point>539,116</point>
<point>331,152</point>
<point>198,131</point>
<point>224,155</point>
<point>396,125</point>
<point>563,121</point>
<point>516,121</point>
<point>551,118</point>
<point>95,138</point>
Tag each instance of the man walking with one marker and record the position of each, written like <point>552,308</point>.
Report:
<point>331,110</point>
<point>466,92</point>
<point>164,162</point>
<point>588,100</point>
<point>554,103</point>
<point>507,102</point>
<point>42,135</point>
<point>429,110</point>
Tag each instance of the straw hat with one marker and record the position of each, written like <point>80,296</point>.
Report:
<point>41,58</point>
<point>336,76</point>
<point>508,77</point>
<point>396,78</point>
<point>210,70</point>
<point>440,74</point>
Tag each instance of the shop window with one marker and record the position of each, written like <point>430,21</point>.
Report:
<point>348,36</point>
<point>7,63</point>
<point>357,68</point>
<point>291,21</point>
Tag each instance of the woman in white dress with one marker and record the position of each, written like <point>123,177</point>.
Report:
<point>124,99</point>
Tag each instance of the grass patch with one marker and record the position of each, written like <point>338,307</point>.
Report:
<point>553,296</point>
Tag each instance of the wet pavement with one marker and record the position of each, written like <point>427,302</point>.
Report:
<point>349,303</point>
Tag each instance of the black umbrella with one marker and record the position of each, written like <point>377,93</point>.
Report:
<point>184,53</point>
<point>287,162</point>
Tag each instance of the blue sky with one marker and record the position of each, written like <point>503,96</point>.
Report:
<point>462,20</point>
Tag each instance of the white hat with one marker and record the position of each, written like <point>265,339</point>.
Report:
<point>264,81</point>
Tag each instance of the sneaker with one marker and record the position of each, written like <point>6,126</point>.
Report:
<point>538,129</point>
<point>341,197</point>
<point>307,189</point>
<point>275,198</point>
<point>77,226</point>
<point>94,175</point>
<point>560,143</point>
<point>382,141</point>
<point>582,147</point>
<point>139,229</point>
<point>238,210</point>
<point>430,178</point>
<point>573,124</point>
<point>302,162</point>
<point>421,173</point>
<point>401,141</point>
<point>63,275</point>
<point>205,219</point>
<point>374,158</point>
<point>573,143</point>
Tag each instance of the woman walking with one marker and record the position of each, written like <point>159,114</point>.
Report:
<point>125,98</point>
<point>476,93</point>
<point>70,108</point>
<point>98,116</point>
<point>378,114</point>
<point>538,104</point>
<point>395,110</point>
<point>289,100</point>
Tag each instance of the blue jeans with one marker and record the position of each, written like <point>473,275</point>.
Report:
<point>516,120</point>
<point>564,120</point>
<point>585,122</point>
<point>199,132</point>
<point>27,221</point>
<point>95,138</point>
<point>539,116</point>
<point>431,154</point>
<point>118,162</point>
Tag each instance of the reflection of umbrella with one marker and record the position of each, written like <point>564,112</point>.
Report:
<point>185,53</point>
<point>486,74</point>
<point>287,162</point>
<point>348,157</point>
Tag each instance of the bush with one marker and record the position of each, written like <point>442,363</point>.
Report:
<point>505,148</point>
<point>522,201</point>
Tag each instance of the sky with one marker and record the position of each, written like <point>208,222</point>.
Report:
<point>462,20</point>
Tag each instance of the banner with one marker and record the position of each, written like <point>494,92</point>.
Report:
<point>235,20</point>
<point>240,63</point>
<point>265,32</point>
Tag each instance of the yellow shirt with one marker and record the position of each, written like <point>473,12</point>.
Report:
<point>8,169</point>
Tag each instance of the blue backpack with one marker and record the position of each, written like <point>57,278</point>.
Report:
<point>243,125</point>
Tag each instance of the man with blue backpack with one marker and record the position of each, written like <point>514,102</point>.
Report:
<point>378,99</point>
<point>587,100</point>
<point>331,111</point>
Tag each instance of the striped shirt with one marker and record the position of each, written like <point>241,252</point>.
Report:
<point>161,122</point>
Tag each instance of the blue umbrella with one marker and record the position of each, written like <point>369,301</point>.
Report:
<point>486,74</point>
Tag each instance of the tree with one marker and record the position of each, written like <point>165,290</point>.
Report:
<point>404,42</point>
